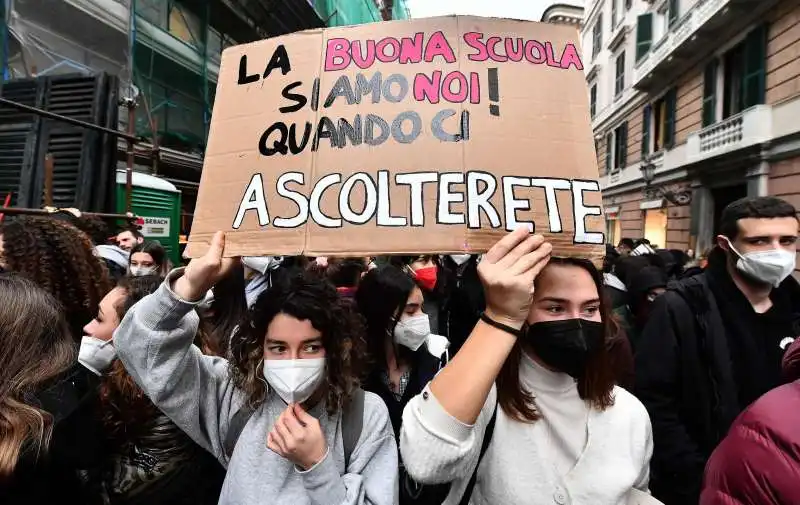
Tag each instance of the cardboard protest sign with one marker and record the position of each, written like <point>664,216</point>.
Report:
<point>428,136</point>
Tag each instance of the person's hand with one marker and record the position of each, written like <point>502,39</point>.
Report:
<point>203,273</point>
<point>297,436</point>
<point>507,273</point>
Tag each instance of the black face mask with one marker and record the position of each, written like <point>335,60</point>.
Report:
<point>566,344</point>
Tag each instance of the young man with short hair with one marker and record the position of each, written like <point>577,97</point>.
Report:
<point>130,238</point>
<point>714,341</point>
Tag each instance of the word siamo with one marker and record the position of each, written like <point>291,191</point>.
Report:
<point>340,52</point>
<point>476,198</point>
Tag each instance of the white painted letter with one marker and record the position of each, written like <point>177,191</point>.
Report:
<point>370,199</point>
<point>550,186</point>
<point>512,204</point>
<point>316,195</point>
<point>253,199</point>
<point>581,211</point>
<point>298,198</point>
<point>479,200</point>
<point>385,217</point>
<point>416,181</point>
<point>446,198</point>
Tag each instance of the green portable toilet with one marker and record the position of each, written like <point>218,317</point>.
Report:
<point>158,203</point>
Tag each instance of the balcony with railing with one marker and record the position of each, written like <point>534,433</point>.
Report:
<point>703,27</point>
<point>682,40</point>
<point>749,128</point>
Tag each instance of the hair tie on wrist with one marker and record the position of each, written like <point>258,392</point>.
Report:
<point>500,326</point>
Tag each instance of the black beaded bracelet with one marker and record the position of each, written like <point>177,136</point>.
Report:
<point>500,326</point>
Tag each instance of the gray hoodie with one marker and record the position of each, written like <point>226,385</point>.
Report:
<point>154,343</point>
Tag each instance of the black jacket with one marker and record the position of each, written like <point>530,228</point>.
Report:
<point>76,445</point>
<point>425,368</point>
<point>685,377</point>
<point>463,301</point>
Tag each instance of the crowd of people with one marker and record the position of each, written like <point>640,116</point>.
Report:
<point>512,377</point>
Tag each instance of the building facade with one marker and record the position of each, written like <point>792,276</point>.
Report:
<point>564,14</point>
<point>694,105</point>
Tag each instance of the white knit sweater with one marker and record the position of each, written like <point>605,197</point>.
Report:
<point>572,455</point>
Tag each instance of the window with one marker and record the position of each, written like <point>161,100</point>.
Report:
<point>184,25</point>
<point>655,227</point>
<point>609,151</point>
<point>593,100</point>
<point>710,93</point>
<point>621,146</point>
<point>619,76</point>
<point>597,36</point>
<point>646,114</point>
<point>644,35</point>
<point>664,121</point>
<point>744,74</point>
<point>614,14</point>
<point>672,13</point>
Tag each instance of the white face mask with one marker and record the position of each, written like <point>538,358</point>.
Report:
<point>96,354</point>
<point>142,271</point>
<point>412,332</point>
<point>460,259</point>
<point>771,267</point>
<point>262,263</point>
<point>295,380</point>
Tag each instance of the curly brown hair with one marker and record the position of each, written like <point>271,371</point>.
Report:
<point>306,297</point>
<point>59,258</point>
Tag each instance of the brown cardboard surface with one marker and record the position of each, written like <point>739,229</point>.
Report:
<point>526,132</point>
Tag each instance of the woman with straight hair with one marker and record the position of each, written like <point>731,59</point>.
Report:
<point>47,428</point>
<point>148,258</point>
<point>527,411</point>
<point>403,354</point>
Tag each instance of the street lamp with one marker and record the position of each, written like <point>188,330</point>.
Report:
<point>678,197</point>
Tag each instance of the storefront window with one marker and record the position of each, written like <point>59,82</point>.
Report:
<point>655,227</point>
<point>613,231</point>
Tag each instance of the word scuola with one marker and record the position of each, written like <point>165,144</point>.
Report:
<point>479,188</point>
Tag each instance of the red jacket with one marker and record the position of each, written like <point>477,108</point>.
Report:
<point>758,463</point>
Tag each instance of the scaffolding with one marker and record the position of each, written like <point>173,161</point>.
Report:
<point>356,12</point>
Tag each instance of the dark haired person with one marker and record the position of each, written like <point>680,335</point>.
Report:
<point>527,411</point>
<point>346,273</point>
<point>427,273</point>
<point>148,258</point>
<point>148,459</point>
<point>281,413</point>
<point>403,353</point>
<point>626,246</point>
<point>128,239</point>
<point>714,341</point>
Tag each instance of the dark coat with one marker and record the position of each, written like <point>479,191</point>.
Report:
<point>76,445</point>
<point>758,463</point>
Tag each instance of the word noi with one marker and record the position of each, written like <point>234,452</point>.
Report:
<point>340,52</point>
<point>376,204</point>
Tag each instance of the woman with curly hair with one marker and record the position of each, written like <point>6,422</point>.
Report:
<point>148,459</point>
<point>286,414</point>
<point>60,258</point>
<point>47,428</point>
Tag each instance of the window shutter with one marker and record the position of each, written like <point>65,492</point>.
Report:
<point>670,102</point>
<point>754,75</point>
<point>710,93</point>
<point>609,151</point>
<point>672,13</point>
<point>644,35</point>
<point>622,140</point>
<point>593,100</point>
<point>646,113</point>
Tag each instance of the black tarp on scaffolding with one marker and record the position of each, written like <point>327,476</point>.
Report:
<point>84,160</point>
